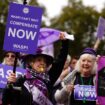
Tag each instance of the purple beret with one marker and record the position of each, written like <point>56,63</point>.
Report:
<point>89,51</point>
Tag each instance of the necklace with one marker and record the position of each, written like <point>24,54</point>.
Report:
<point>84,98</point>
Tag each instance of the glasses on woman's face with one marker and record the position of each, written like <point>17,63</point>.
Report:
<point>9,55</point>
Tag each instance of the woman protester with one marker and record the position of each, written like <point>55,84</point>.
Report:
<point>79,85</point>
<point>8,59</point>
<point>36,86</point>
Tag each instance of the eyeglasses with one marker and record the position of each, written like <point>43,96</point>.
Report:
<point>12,56</point>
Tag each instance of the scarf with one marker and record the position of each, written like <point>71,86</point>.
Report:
<point>38,80</point>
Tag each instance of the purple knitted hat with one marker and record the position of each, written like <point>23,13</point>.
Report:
<point>89,51</point>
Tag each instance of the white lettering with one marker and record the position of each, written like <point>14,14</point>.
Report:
<point>80,93</point>
<point>12,32</point>
<point>8,73</point>
<point>30,34</point>
<point>21,33</point>
<point>1,72</point>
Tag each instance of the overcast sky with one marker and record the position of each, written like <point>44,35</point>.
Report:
<point>54,6</point>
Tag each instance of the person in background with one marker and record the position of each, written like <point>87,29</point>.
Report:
<point>82,81</point>
<point>66,70</point>
<point>73,62</point>
<point>8,59</point>
<point>37,85</point>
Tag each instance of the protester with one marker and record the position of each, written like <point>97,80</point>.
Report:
<point>79,86</point>
<point>36,87</point>
<point>66,70</point>
<point>9,58</point>
<point>73,62</point>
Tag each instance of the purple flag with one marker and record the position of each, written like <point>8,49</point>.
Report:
<point>101,28</point>
<point>101,81</point>
<point>48,36</point>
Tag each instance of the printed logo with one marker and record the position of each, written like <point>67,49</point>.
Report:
<point>26,10</point>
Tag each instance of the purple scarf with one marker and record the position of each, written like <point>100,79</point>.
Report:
<point>38,80</point>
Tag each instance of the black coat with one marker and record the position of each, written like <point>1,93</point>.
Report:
<point>15,97</point>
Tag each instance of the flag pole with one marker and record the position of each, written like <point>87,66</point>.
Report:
<point>96,45</point>
<point>25,2</point>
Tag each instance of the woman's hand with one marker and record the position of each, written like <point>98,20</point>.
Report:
<point>12,78</point>
<point>69,88</point>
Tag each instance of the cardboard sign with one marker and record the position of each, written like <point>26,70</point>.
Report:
<point>22,29</point>
<point>5,72</point>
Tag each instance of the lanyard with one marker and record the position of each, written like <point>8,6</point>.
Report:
<point>84,99</point>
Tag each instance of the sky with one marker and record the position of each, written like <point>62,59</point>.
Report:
<point>54,6</point>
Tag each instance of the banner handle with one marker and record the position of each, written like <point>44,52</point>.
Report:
<point>15,63</point>
<point>96,45</point>
<point>25,2</point>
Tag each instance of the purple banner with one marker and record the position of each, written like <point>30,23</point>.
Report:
<point>5,72</point>
<point>48,36</point>
<point>22,28</point>
<point>86,92</point>
<point>101,80</point>
<point>101,28</point>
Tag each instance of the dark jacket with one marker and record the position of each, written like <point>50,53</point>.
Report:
<point>24,97</point>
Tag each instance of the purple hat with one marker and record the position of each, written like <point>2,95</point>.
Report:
<point>39,52</point>
<point>89,51</point>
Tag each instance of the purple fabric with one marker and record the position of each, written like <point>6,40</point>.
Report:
<point>101,64</point>
<point>35,81</point>
<point>101,28</point>
<point>48,36</point>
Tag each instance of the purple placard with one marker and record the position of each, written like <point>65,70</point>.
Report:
<point>22,28</point>
<point>101,28</point>
<point>5,72</point>
<point>86,92</point>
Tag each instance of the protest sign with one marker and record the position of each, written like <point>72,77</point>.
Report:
<point>5,72</point>
<point>22,28</point>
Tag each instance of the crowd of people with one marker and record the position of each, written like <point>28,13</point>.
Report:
<point>65,80</point>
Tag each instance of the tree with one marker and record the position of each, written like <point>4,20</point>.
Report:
<point>79,20</point>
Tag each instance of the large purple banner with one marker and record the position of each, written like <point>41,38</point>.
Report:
<point>5,72</point>
<point>22,28</point>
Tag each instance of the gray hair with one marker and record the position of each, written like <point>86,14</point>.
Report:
<point>93,71</point>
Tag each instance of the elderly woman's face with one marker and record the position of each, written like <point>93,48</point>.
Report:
<point>10,58</point>
<point>86,63</point>
<point>39,64</point>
